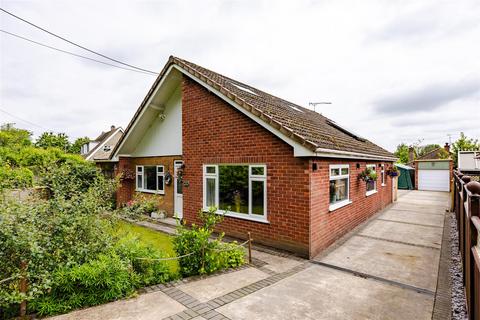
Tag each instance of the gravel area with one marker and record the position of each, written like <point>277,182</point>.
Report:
<point>459,309</point>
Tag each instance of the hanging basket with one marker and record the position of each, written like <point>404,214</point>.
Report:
<point>367,175</point>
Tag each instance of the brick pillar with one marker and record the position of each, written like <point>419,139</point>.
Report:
<point>127,186</point>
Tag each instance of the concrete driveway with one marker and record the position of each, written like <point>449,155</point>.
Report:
<point>386,270</point>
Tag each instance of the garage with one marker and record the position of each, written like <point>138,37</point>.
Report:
<point>433,175</point>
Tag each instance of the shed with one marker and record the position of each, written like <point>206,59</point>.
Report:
<point>405,176</point>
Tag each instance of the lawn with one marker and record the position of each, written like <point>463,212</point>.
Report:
<point>152,238</point>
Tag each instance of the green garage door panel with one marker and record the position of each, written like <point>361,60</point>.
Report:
<point>434,165</point>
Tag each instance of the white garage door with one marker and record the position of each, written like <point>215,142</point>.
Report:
<point>434,180</point>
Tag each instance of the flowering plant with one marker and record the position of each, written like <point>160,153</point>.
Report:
<point>367,175</point>
<point>127,174</point>
<point>393,172</point>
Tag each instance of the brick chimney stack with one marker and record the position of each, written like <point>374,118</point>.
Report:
<point>411,154</point>
<point>446,147</point>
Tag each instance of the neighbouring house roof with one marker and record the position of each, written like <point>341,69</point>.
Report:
<point>306,127</point>
<point>436,154</point>
<point>106,143</point>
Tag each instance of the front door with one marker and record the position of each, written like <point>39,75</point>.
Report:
<point>178,186</point>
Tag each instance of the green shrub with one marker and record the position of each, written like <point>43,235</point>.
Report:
<point>142,258</point>
<point>13,178</point>
<point>138,207</point>
<point>107,278</point>
<point>208,256</point>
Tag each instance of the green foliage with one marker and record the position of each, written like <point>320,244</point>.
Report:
<point>77,145</point>
<point>13,137</point>
<point>402,153</point>
<point>107,278</point>
<point>463,143</point>
<point>15,177</point>
<point>52,140</point>
<point>367,175</point>
<point>138,207</point>
<point>208,256</point>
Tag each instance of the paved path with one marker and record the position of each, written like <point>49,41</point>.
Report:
<point>386,270</point>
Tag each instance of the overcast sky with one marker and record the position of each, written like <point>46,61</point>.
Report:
<point>395,71</point>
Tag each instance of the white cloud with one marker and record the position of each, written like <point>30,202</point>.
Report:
<point>351,53</point>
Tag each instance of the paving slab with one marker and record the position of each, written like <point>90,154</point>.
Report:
<point>415,266</point>
<point>212,287</point>
<point>435,220</point>
<point>275,263</point>
<point>403,232</point>
<point>149,306</point>
<point>323,293</point>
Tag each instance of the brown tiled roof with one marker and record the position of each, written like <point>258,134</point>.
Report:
<point>433,155</point>
<point>308,127</point>
<point>103,155</point>
<point>305,126</point>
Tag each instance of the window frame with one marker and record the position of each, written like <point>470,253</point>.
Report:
<point>382,172</point>
<point>142,173</point>
<point>251,177</point>
<point>339,204</point>
<point>375,188</point>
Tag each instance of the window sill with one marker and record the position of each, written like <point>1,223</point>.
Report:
<point>150,191</point>
<point>369,193</point>
<point>339,205</point>
<point>229,214</point>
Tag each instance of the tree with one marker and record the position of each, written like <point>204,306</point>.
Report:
<point>52,140</point>
<point>14,137</point>
<point>77,145</point>
<point>463,144</point>
<point>402,153</point>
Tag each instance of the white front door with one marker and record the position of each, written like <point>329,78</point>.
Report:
<point>434,180</point>
<point>178,186</point>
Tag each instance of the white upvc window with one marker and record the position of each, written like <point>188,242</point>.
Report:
<point>372,184</point>
<point>382,167</point>
<point>236,190</point>
<point>150,178</point>
<point>339,186</point>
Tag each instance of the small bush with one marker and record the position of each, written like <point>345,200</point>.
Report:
<point>208,256</point>
<point>138,207</point>
<point>107,278</point>
<point>142,259</point>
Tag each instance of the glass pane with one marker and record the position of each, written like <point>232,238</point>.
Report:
<point>371,185</point>
<point>258,171</point>
<point>334,172</point>
<point>344,171</point>
<point>179,186</point>
<point>211,169</point>
<point>210,190</point>
<point>233,188</point>
<point>160,169</point>
<point>338,190</point>
<point>139,181</point>
<point>139,169</point>
<point>257,197</point>
<point>160,183</point>
<point>150,178</point>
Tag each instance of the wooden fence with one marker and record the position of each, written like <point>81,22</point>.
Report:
<point>466,204</point>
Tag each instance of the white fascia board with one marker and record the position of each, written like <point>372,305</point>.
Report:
<point>102,144</point>
<point>330,153</point>
<point>145,107</point>
<point>298,149</point>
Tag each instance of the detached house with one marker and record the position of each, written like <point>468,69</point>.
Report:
<point>285,173</point>
<point>100,149</point>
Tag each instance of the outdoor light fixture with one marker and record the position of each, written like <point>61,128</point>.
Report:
<point>358,165</point>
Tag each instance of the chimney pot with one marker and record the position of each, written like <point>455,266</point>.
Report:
<point>446,147</point>
<point>112,127</point>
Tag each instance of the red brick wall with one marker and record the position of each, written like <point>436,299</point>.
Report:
<point>127,191</point>
<point>326,226</point>
<point>214,132</point>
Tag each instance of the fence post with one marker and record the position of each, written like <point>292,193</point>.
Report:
<point>23,288</point>
<point>249,248</point>
<point>471,263</point>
